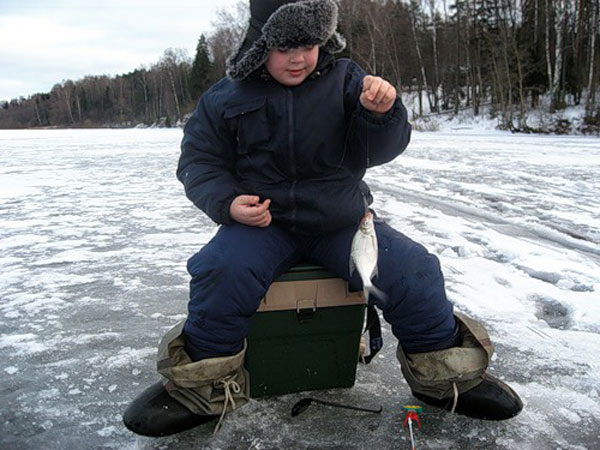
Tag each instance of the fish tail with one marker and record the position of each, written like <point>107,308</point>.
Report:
<point>378,293</point>
<point>369,288</point>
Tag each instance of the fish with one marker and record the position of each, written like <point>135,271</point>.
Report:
<point>363,255</point>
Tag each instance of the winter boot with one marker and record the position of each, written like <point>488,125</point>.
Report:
<point>490,400</point>
<point>191,393</point>
<point>155,413</point>
<point>455,378</point>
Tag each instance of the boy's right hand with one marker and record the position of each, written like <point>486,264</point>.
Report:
<point>248,210</point>
<point>378,95</point>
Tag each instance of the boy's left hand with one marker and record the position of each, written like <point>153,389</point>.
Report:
<point>378,95</point>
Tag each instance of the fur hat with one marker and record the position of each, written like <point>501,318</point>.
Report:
<point>285,24</point>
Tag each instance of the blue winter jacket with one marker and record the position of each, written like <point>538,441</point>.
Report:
<point>306,147</point>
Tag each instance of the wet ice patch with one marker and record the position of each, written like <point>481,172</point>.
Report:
<point>554,313</point>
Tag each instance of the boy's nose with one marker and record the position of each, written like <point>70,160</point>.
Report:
<point>295,56</point>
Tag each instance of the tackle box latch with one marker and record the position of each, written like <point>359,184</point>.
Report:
<point>306,309</point>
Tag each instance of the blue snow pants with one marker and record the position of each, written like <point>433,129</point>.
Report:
<point>232,272</point>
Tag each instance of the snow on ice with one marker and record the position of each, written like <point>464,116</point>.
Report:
<point>95,232</point>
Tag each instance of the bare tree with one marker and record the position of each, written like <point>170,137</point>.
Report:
<point>436,70</point>
<point>591,88</point>
<point>414,7</point>
<point>556,92</point>
<point>549,27</point>
<point>230,27</point>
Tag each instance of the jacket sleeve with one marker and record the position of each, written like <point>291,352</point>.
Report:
<point>207,161</point>
<point>373,140</point>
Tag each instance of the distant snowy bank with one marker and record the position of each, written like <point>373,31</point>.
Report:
<point>570,120</point>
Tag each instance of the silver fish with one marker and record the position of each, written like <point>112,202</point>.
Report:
<point>363,255</point>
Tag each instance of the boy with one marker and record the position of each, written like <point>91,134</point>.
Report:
<point>276,153</point>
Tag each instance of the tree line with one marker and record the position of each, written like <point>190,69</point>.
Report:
<point>506,57</point>
<point>158,94</point>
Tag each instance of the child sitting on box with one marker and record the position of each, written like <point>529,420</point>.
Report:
<point>276,153</point>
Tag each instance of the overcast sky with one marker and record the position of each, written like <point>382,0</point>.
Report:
<point>43,42</point>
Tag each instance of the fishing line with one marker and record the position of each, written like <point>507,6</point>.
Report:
<point>367,145</point>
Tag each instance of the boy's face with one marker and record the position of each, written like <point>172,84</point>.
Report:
<point>291,66</point>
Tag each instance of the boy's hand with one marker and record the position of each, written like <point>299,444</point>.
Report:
<point>247,210</point>
<point>377,95</point>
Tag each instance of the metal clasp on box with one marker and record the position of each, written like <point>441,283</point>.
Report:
<point>306,313</point>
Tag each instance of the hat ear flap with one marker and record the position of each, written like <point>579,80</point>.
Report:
<point>243,63</point>
<point>335,44</point>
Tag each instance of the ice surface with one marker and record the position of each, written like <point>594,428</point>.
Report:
<point>95,232</point>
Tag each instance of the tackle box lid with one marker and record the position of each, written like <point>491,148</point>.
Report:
<point>306,271</point>
<point>310,294</point>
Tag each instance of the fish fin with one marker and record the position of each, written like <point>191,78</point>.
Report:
<point>367,286</point>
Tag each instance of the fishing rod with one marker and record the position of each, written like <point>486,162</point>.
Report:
<point>303,405</point>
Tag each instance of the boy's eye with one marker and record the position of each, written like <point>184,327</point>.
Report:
<point>305,48</point>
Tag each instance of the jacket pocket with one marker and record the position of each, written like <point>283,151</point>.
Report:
<point>252,124</point>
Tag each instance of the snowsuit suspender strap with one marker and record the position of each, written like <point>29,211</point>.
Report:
<point>373,327</point>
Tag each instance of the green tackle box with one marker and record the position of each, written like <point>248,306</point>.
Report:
<point>305,334</point>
